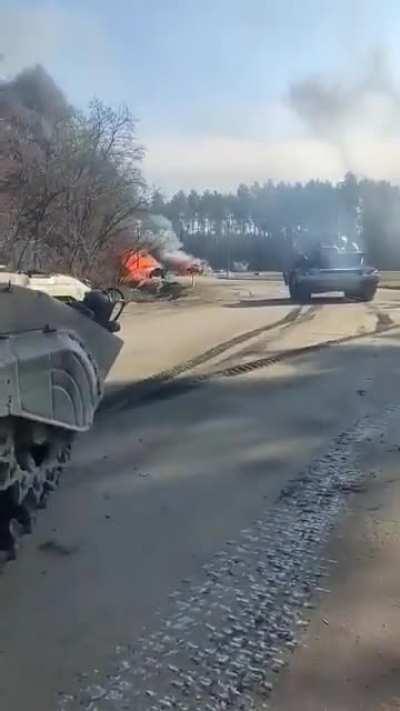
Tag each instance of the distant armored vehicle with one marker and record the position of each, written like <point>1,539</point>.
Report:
<point>331,268</point>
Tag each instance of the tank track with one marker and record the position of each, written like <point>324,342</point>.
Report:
<point>32,456</point>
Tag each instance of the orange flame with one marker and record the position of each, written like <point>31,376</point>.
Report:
<point>138,267</point>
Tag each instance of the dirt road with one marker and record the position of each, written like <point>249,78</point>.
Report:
<point>158,338</point>
<point>171,569</point>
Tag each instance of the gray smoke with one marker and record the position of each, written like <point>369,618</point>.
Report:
<point>159,235</point>
<point>346,113</point>
<point>160,238</point>
<point>32,95</point>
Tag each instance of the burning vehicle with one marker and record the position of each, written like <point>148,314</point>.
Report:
<point>186,267</point>
<point>153,254</point>
<point>331,267</point>
<point>139,268</point>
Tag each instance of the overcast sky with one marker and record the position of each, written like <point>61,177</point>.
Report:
<point>210,80</point>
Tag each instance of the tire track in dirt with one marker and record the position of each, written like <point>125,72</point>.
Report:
<point>305,317</point>
<point>384,323</point>
<point>160,390</point>
<point>301,350</point>
<point>122,396</point>
<point>383,320</point>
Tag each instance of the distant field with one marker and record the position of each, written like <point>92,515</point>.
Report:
<point>269,276</point>
<point>390,280</point>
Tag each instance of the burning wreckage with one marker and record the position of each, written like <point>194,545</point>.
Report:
<point>155,253</point>
<point>139,269</point>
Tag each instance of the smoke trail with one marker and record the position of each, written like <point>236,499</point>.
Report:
<point>351,115</point>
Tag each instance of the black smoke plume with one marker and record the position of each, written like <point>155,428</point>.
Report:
<point>351,114</point>
<point>32,96</point>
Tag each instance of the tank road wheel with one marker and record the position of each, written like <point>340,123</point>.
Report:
<point>367,293</point>
<point>298,293</point>
<point>32,456</point>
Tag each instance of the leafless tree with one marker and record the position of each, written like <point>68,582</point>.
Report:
<point>105,188</point>
<point>68,188</point>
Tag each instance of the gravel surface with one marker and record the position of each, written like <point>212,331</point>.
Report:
<point>228,635</point>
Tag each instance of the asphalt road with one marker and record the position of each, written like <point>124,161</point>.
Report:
<point>176,468</point>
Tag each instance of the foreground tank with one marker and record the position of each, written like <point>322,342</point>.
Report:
<point>54,358</point>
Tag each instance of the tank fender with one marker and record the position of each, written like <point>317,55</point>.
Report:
<point>48,377</point>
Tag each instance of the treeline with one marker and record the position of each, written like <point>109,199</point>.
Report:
<point>72,192</point>
<point>255,225</point>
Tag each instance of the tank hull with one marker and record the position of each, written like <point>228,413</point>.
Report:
<point>53,360</point>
